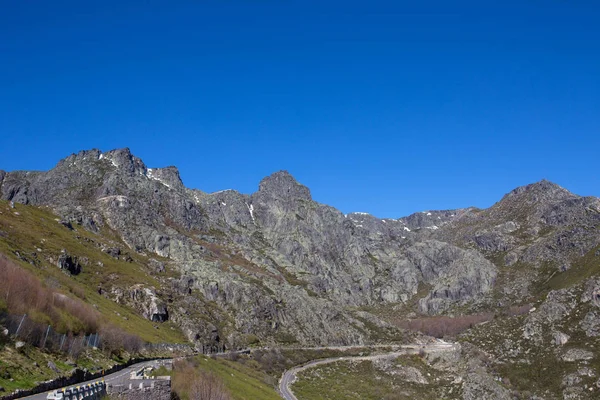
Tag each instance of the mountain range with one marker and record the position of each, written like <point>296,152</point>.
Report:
<point>277,267</point>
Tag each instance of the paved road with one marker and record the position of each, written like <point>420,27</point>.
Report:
<point>289,376</point>
<point>121,377</point>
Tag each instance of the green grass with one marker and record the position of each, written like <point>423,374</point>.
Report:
<point>33,239</point>
<point>257,376</point>
<point>584,268</point>
<point>542,373</point>
<point>274,361</point>
<point>162,371</point>
<point>36,228</point>
<point>363,380</point>
<point>245,381</point>
<point>23,369</point>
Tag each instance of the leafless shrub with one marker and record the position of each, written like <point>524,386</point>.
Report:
<point>183,376</point>
<point>518,310</point>
<point>208,386</point>
<point>81,311</point>
<point>115,340</point>
<point>445,326</point>
<point>132,343</point>
<point>271,361</point>
<point>450,326</point>
<point>24,293</point>
<point>20,290</point>
<point>189,382</point>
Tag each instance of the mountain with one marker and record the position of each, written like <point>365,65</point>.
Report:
<point>277,267</point>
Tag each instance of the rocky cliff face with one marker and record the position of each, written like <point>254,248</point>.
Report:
<point>278,265</point>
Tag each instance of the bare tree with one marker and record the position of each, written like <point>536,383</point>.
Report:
<point>208,386</point>
<point>441,326</point>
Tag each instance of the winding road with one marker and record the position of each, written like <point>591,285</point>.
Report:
<point>289,376</point>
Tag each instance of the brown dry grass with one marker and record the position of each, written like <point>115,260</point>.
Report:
<point>445,326</point>
<point>24,293</point>
<point>441,326</point>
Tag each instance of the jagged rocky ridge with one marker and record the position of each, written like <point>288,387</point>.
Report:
<point>278,265</point>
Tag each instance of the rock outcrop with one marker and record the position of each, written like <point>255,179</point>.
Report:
<point>69,263</point>
<point>150,305</point>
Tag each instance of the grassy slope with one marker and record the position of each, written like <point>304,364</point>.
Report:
<point>245,381</point>
<point>256,376</point>
<point>539,368</point>
<point>362,380</point>
<point>24,368</point>
<point>33,238</point>
<point>536,369</point>
<point>35,229</point>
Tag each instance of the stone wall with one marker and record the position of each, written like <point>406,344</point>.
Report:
<point>77,376</point>
<point>158,389</point>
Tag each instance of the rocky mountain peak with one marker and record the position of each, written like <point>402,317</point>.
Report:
<point>168,176</point>
<point>79,158</point>
<point>125,161</point>
<point>283,185</point>
<point>543,190</point>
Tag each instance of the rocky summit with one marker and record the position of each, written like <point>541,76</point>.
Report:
<point>278,267</point>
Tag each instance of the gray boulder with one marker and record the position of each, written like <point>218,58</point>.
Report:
<point>572,355</point>
<point>53,367</point>
<point>560,338</point>
<point>478,386</point>
<point>591,324</point>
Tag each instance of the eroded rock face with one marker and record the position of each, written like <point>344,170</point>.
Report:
<point>151,306</point>
<point>168,176</point>
<point>456,275</point>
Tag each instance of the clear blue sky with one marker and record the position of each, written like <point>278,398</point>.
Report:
<point>384,107</point>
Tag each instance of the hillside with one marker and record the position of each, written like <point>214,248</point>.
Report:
<point>227,270</point>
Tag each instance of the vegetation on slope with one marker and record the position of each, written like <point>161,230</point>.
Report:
<point>253,376</point>
<point>406,377</point>
<point>227,379</point>
<point>23,293</point>
<point>34,239</point>
<point>31,242</point>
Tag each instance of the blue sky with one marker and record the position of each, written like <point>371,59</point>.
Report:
<point>384,107</point>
